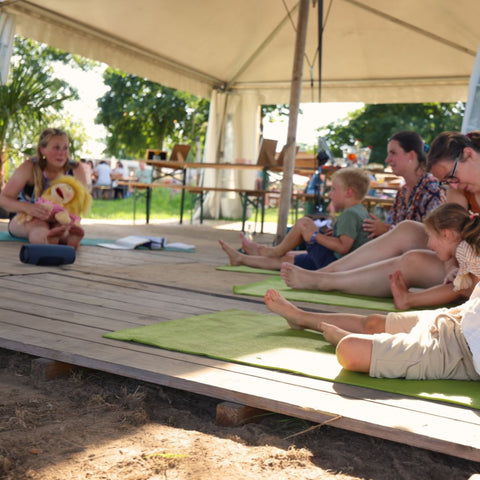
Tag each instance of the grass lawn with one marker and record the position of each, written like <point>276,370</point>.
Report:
<point>165,205</point>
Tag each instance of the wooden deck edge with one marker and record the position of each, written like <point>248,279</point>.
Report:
<point>398,435</point>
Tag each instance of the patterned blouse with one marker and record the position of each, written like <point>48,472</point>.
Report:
<point>425,197</point>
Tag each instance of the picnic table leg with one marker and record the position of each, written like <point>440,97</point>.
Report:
<point>134,203</point>
<point>244,203</point>
<point>182,198</point>
<point>148,204</point>
<point>264,188</point>
<point>263,211</point>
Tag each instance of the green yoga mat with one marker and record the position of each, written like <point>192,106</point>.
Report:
<point>245,269</point>
<point>92,242</point>
<point>258,289</point>
<point>266,341</point>
<point>6,237</point>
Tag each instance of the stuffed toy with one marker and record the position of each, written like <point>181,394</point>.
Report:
<point>67,200</point>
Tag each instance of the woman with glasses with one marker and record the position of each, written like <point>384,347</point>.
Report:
<point>455,159</point>
<point>399,257</point>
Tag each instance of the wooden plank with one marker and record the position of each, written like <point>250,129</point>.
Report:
<point>415,428</point>
<point>149,287</point>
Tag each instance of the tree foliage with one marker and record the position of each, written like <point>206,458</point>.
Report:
<point>139,114</point>
<point>374,124</point>
<point>33,97</point>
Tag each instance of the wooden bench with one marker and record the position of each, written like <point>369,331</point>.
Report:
<point>102,192</point>
<point>246,197</point>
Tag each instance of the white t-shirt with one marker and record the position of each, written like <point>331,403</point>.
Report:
<point>471,329</point>
<point>103,175</point>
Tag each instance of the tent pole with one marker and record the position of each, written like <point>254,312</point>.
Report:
<point>295,93</point>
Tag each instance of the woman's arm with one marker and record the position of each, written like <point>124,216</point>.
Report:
<point>374,226</point>
<point>9,195</point>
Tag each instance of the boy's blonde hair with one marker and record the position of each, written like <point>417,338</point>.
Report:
<point>355,178</point>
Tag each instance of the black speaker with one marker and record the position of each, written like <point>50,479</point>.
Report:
<point>47,255</point>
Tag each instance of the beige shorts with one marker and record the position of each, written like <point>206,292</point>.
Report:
<point>422,345</point>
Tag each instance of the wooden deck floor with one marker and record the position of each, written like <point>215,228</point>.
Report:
<point>61,313</point>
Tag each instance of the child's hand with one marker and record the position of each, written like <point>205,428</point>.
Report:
<point>450,276</point>
<point>307,230</point>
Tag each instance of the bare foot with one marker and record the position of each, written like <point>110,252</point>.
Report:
<point>249,246</point>
<point>332,333</point>
<point>297,277</point>
<point>234,256</point>
<point>399,291</point>
<point>74,236</point>
<point>278,304</point>
<point>55,234</point>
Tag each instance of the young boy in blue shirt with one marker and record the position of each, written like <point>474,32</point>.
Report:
<point>349,187</point>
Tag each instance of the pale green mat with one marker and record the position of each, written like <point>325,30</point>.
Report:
<point>264,340</point>
<point>6,237</point>
<point>245,269</point>
<point>258,289</point>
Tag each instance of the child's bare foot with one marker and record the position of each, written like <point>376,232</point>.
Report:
<point>296,277</point>
<point>276,303</point>
<point>234,256</point>
<point>332,333</point>
<point>249,246</point>
<point>75,235</point>
<point>400,291</point>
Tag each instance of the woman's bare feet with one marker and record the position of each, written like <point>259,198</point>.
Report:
<point>332,333</point>
<point>53,236</point>
<point>297,277</point>
<point>74,236</point>
<point>234,255</point>
<point>278,304</point>
<point>249,246</point>
<point>400,291</point>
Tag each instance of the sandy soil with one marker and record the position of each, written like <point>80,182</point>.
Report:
<point>92,425</point>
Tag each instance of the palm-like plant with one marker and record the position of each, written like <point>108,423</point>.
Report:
<point>28,98</point>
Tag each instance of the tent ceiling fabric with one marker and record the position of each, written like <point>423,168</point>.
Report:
<point>374,51</point>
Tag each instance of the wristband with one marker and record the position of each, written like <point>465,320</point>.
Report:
<point>312,240</point>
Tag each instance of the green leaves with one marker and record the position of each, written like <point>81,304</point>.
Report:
<point>374,124</point>
<point>139,114</point>
<point>32,94</point>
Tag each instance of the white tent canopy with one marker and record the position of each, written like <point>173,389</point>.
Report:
<point>374,51</point>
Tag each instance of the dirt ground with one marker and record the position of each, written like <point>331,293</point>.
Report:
<point>92,425</point>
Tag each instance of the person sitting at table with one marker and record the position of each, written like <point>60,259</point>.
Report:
<point>118,173</point>
<point>102,174</point>
<point>143,174</point>
<point>453,158</point>
<point>349,187</point>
